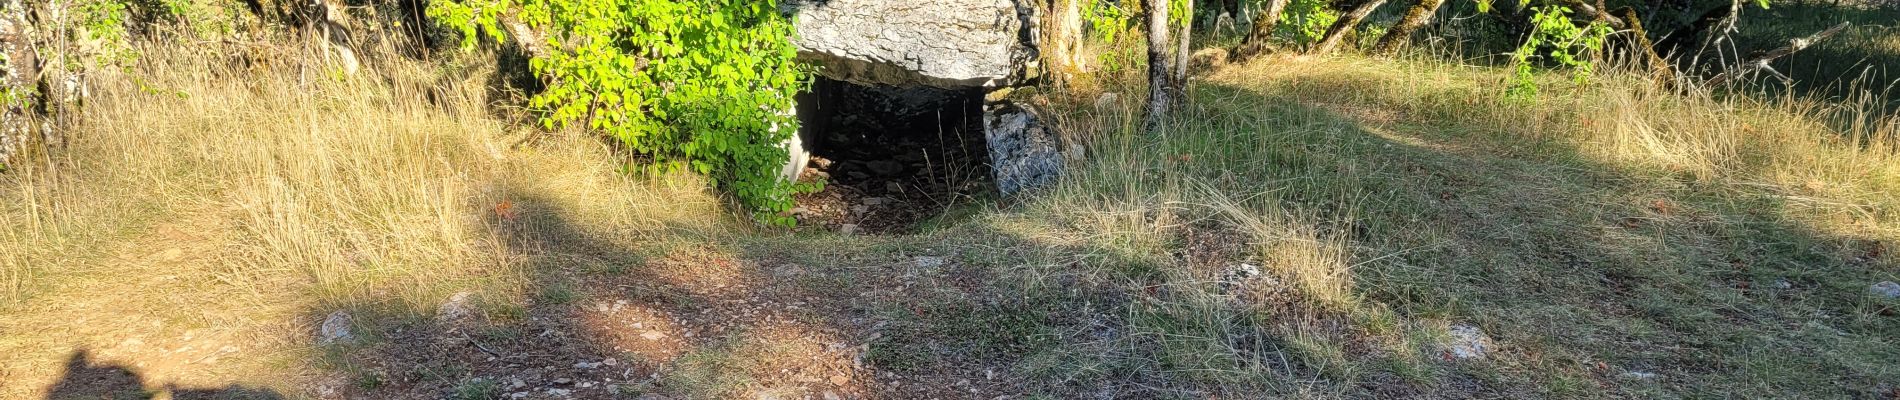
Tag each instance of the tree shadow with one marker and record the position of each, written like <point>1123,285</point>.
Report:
<point>1865,58</point>
<point>1560,256</point>
<point>1523,234</point>
<point>86,378</point>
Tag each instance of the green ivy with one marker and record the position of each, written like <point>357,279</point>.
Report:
<point>705,85</point>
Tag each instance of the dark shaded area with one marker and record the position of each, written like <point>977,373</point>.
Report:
<point>892,155</point>
<point>88,379</point>
<point>1516,259</point>
<point>1862,61</point>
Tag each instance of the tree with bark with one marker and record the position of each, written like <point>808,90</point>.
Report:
<point>1159,67</point>
<point>1062,38</point>
<point>1346,24</point>
<point>1401,32</point>
<point>1260,35</point>
<point>1182,49</point>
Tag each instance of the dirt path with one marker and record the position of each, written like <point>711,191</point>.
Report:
<point>168,314</point>
<point>695,323</point>
<point>160,315</point>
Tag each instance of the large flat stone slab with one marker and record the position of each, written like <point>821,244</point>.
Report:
<point>948,44</point>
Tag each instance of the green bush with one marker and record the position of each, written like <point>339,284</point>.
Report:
<point>1306,20</point>
<point>701,84</point>
<point>1555,38</point>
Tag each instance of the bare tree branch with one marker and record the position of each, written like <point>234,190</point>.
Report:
<point>1760,62</point>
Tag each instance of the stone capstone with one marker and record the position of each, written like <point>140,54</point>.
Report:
<point>1024,153</point>
<point>941,43</point>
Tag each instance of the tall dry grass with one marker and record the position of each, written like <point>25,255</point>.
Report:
<point>1309,163</point>
<point>392,187</point>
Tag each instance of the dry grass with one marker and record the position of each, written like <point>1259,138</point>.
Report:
<point>1396,198</point>
<point>1598,230</point>
<point>206,204</point>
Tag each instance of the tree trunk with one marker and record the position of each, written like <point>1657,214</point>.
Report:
<point>1062,40</point>
<point>19,74</point>
<point>1261,33</point>
<point>1158,68</point>
<point>1401,32</point>
<point>1337,33</point>
<point>1659,69</point>
<point>1182,49</point>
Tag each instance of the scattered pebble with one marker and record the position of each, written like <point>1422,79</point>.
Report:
<point>928,262</point>
<point>456,309</point>
<point>1106,100</point>
<point>1886,289</point>
<point>653,335</point>
<point>335,328</point>
<point>1467,343</point>
<point>1638,375</point>
<point>1243,271</point>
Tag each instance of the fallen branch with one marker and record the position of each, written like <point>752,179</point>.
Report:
<point>1760,62</point>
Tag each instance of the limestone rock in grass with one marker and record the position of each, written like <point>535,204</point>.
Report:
<point>458,309</point>
<point>1106,100</point>
<point>1466,342</point>
<point>335,328</point>
<point>1886,289</point>
<point>929,262</point>
<point>1024,153</point>
<point>941,43</point>
<point>1638,375</point>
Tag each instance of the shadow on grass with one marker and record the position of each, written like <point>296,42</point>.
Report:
<point>1582,271</point>
<point>1866,58</point>
<point>1569,259</point>
<point>85,378</point>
